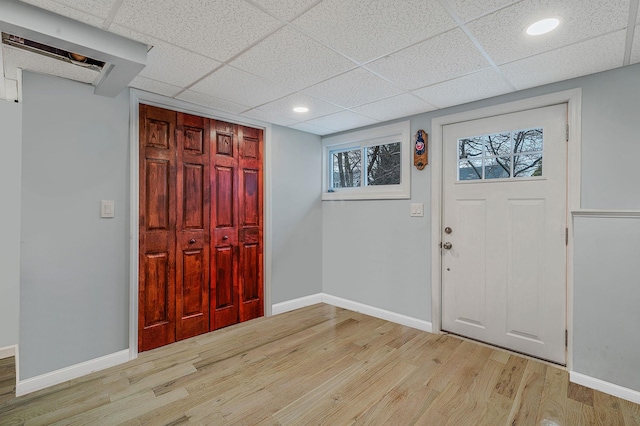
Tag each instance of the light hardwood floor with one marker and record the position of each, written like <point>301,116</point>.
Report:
<point>319,365</point>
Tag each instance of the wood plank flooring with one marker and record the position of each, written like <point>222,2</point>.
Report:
<point>319,365</point>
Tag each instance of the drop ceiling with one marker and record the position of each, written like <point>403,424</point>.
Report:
<point>352,62</point>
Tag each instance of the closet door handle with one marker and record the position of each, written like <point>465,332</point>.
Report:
<point>192,241</point>
<point>225,238</point>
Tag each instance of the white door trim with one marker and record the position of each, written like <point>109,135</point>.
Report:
<point>573,98</point>
<point>137,97</point>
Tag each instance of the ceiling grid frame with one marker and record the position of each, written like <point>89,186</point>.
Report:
<point>371,32</point>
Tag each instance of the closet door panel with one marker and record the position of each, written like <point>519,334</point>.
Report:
<point>250,205</point>
<point>157,224</point>
<point>193,188</point>
<point>224,225</point>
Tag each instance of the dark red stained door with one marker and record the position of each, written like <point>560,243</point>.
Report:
<point>192,233</point>
<point>156,272</point>
<point>224,229</point>
<point>250,202</point>
<point>201,199</point>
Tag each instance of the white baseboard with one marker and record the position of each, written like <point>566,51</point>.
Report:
<point>606,387</point>
<point>377,312</point>
<point>8,351</point>
<point>291,305</point>
<point>301,302</point>
<point>33,384</point>
<point>72,372</point>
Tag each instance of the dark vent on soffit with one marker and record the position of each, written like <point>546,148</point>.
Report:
<point>51,52</point>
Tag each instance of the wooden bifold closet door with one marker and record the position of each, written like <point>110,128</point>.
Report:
<point>201,226</point>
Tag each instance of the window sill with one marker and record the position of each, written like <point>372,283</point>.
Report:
<point>365,195</point>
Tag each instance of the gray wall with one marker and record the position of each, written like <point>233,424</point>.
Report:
<point>10,165</point>
<point>375,253</point>
<point>606,250</point>
<point>75,281</point>
<point>296,214</point>
<point>74,300</point>
<point>611,139</point>
<point>606,294</point>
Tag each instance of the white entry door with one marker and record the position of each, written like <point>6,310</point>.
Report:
<point>504,224</point>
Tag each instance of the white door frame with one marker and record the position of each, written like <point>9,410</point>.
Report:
<point>137,97</point>
<point>573,98</point>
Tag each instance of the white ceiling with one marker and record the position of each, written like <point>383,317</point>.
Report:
<point>352,62</point>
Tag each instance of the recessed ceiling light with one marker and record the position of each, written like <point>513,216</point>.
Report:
<point>543,26</point>
<point>301,109</point>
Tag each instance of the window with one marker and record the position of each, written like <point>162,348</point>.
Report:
<point>368,164</point>
<point>505,155</point>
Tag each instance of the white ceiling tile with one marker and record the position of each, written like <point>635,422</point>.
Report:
<point>398,106</point>
<point>502,34</point>
<point>353,88</point>
<point>14,58</point>
<point>635,49</point>
<point>240,87</point>
<point>367,29</point>
<point>310,128</point>
<point>154,86</point>
<point>470,9</point>
<point>218,29</point>
<point>285,9</point>
<point>176,66</point>
<point>100,8</point>
<point>568,62</point>
<point>268,117</point>
<point>133,34</point>
<point>284,107</point>
<point>211,102</point>
<point>441,58</point>
<point>88,18</point>
<point>414,44</point>
<point>472,87</point>
<point>343,120</point>
<point>292,59</point>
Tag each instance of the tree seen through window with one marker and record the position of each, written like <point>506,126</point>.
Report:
<point>382,163</point>
<point>501,155</point>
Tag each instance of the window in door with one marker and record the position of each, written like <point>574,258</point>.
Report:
<point>504,155</point>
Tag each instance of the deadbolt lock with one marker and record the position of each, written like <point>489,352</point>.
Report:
<point>448,230</point>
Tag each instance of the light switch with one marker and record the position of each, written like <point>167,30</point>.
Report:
<point>417,209</point>
<point>107,208</point>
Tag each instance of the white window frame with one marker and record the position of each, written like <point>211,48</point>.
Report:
<point>381,135</point>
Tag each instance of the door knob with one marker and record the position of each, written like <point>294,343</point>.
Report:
<point>192,241</point>
<point>225,238</point>
<point>447,245</point>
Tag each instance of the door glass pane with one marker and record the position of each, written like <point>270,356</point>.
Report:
<point>498,144</point>
<point>503,155</point>
<point>470,170</point>
<point>527,165</point>
<point>470,147</point>
<point>383,164</point>
<point>497,168</point>
<point>527,140</point>
<point>346,166</point>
